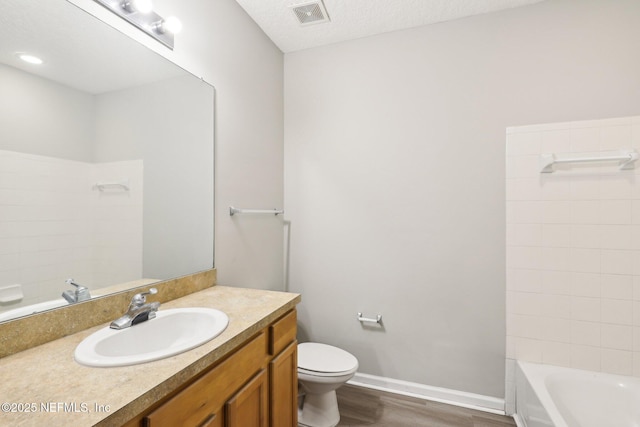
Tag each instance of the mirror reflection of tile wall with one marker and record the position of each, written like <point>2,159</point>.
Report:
<point>55,221</point>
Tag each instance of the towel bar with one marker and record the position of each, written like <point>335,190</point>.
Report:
<point>233,211</point>
<point>378,318</point>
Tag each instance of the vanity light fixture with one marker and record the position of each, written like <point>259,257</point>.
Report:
<point>140,14</point>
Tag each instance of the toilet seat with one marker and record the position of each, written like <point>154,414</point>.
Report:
<point>325,360</point>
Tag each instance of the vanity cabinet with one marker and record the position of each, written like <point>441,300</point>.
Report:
<point>255,386</point>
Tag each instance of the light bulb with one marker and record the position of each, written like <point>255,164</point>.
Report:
<point>172,25</point>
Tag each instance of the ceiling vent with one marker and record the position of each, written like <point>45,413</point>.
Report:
<point>312,12</point>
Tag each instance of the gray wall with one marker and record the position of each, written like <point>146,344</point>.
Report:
<point>40,117</point>
<point>169,125</point>
<point>394,175</point>
<point>220,43</point>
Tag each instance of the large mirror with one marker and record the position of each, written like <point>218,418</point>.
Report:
<point>106,160</point>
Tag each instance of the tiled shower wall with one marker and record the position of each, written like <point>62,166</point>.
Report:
<point>117,223</point>
<point>54,224</point>
<point>573,248</point>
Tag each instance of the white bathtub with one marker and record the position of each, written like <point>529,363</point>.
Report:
<point>550,396</point>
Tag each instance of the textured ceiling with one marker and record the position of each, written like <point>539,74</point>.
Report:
<point>352,19</point>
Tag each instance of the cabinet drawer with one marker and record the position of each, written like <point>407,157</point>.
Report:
<point>282,332</point>
<point>207,395</point>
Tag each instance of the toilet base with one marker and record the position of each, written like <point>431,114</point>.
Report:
<point>319,410</point>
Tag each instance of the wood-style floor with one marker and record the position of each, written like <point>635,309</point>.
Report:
<point>360,407</point>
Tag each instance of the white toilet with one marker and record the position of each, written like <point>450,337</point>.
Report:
<point>321,370</point>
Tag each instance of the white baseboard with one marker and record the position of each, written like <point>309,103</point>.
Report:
<point>437,394</point>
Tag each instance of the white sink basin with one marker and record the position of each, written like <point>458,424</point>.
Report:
<point>173,331</point>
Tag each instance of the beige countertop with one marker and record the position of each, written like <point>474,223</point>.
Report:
<point>45,386</point>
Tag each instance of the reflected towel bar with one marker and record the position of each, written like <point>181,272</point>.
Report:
<point>378,319</point>
<point>123,185</point>
<point>626,158</point>
<point>233,211</point>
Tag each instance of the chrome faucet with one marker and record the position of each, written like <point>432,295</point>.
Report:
<point>138,311</point>
<point>81,293</point>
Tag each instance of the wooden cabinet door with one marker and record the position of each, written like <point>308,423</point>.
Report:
<point>214,420</point>
<point>283,384</point>
<point>249,407</point>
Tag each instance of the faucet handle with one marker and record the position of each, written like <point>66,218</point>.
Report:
<point>71,281</point>
<point>151,291</point>
<point>141,298</point>
<point>81,293</point>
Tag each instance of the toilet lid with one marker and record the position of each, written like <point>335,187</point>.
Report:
<point>313,356</point>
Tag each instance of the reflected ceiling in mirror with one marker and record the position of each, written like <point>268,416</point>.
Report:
<point>106,160</point>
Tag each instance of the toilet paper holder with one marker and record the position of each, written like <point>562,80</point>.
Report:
<point>378,318</point>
